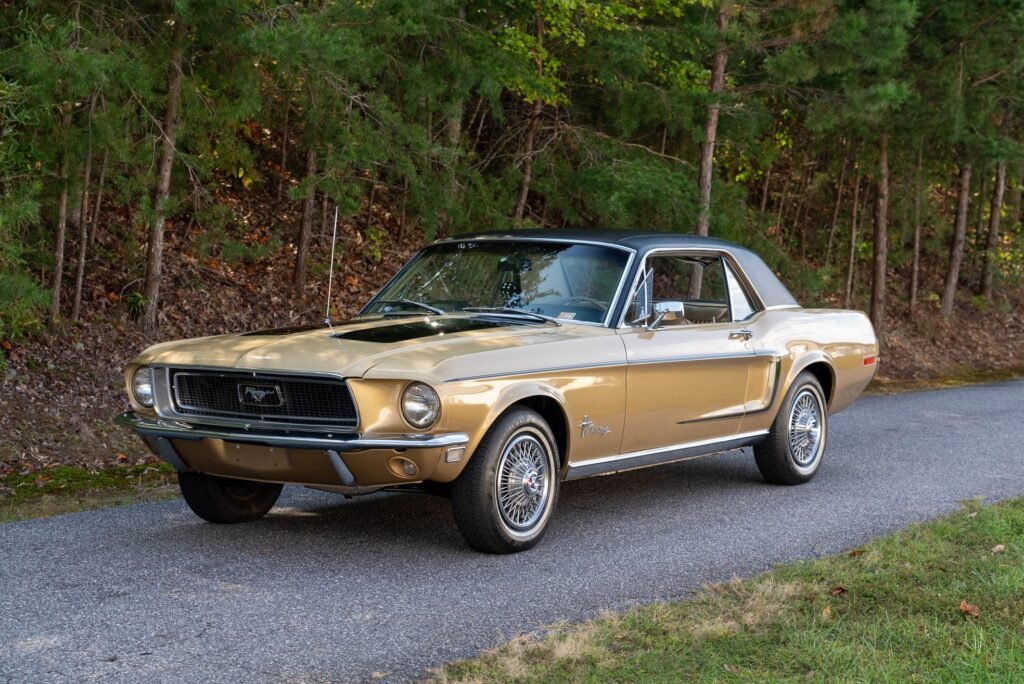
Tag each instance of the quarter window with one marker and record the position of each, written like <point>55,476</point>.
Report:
<point>742,309</point>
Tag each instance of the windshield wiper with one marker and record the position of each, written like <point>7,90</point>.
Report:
<point>411,302</point>
<point>512,311</point>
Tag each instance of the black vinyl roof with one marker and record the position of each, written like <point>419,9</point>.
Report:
<point>771,290</point>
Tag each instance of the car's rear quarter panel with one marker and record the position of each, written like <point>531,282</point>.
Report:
<point>842,340</point>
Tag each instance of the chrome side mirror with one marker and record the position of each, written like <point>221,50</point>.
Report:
<point>666,311</point>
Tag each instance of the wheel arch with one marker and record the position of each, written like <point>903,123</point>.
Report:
<point>823,371</point>
<point>554,415</point>
<point>547,402</point>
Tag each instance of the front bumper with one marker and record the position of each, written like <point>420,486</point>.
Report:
<point>171,429</point>
<point>292,457</point>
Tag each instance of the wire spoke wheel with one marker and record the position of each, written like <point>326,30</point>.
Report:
<point>522,486</point>
<point>805,428</point>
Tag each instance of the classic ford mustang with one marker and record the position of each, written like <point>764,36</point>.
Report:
<point>493,367</point>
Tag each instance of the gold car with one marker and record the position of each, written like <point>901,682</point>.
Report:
<point>493,367</point>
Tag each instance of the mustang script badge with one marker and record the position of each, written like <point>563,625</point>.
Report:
<point>260,395</point>
<point>587,427</point>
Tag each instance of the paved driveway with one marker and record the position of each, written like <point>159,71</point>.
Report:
<point>326,589</point>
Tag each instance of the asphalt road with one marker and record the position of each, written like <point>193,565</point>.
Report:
<point>327,590</point>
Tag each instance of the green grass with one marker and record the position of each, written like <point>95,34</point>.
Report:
<point>66,489</point>
<point>888,611</point>
<point>883,385</point>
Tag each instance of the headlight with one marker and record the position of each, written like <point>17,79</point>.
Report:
<point>142,386</point>
<point>420,405</point>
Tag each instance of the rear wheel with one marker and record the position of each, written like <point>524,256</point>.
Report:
<point>505,496</point>
<point>796,443</point>
<point>227,500</point>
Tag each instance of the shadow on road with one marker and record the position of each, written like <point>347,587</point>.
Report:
<point>403,522</point>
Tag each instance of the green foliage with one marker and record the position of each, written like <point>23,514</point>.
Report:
<point>431,102</point>
<point>21,300</point>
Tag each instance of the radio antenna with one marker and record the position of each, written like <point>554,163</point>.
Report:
<point>330,271</point>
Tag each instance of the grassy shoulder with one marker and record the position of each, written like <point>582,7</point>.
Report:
<point>67,489</point>
<point>884,385</point>
<point>943,600</point>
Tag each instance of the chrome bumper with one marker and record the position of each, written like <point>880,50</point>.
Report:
<point>171,429</point>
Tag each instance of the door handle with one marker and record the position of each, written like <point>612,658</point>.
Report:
<point>741,334</point>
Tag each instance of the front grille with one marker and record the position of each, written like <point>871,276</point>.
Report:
<point>267,397</point>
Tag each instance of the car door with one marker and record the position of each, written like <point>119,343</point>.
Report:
<point>692,370</point>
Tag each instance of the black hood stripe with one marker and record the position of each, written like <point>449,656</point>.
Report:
<point>411,330</point>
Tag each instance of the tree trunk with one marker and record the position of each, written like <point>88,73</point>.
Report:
<point>977,225</point>
<point>284,149</point>
<point>95,221</point>
<point>308,210</point>
<point>992,244</point>
<point>956,248</point>
<point>155,249</point>
<point>531,130</point>
<point>83,218</point>
<point>62,218</point>
<point>782,199</point>
<point>764,189</point>
<point>881,246</point>
<point>83,238</point>
<point>852,261</point>
<point>835,215</point>
<point>1015,198</point>
<point>915,262</point>
<point>707,148</point>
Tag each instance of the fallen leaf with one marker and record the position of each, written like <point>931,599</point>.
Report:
<point>839,591</point>
<point>121,458</point>
<point>972,515</point>
<point>826,613</point>
<point>998,548</point>
<point>856,552</point>
<point>7,345</point>
<point>969,609</point>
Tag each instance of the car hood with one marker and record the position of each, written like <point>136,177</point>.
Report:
<point>439,347</point>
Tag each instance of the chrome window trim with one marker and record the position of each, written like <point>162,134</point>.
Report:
<point>515,238</point>
<point>606,323</point>
<point>738,271</point>
<point>163,402</point>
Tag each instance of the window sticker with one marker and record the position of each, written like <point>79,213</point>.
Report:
<point>567,315</point>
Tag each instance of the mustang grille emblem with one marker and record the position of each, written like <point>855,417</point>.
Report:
<point>260,395</point>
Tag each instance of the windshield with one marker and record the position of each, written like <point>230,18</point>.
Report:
<point>565,281</point>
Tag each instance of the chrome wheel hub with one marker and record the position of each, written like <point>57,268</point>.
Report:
<point>522,483</point>
<point>805,428</point>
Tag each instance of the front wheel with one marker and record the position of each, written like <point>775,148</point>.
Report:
<point>792,452</point>
<point>227,500</point>
<point>505,496</point>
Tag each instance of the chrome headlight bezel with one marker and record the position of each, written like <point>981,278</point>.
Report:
<point>420,405</point>
<point>142,386</point>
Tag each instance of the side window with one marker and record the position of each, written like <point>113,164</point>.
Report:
<point>692,289</point>
<point>742,309</point>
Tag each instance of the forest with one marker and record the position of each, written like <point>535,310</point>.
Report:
<point>172,168</point>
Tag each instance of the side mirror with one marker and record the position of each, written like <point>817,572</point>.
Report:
<point>667,311</point>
